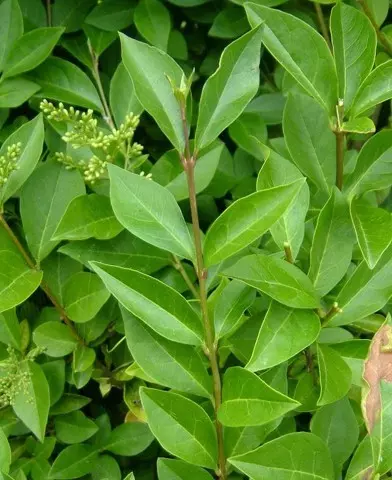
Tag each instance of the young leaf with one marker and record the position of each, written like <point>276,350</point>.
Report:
<point>31,404</point>
<point>10,331</point>
<point>73,462</point>
<point>168,363</point>
<point>365,292</point>
<point>362,125</point>
<point>354,45</point>
<point>55,338</point>
<point>276,278</point>
<point>129,439</point>
<point>287,38</point>
<point>332,246</point>
<point>74,427</point>
<point>376,394</point>
<point>310,140</point>
<point>228,91</point>
<point>373,228</point>
<point>161,307</point>
<point>88,216</point>
<point>152,20</point>
<point>150,69</point>
<point>248,401</point>
<point>235,298</point>
<point>12,28</point>
<point>5,453</point>
<point>309,458</point>
<point>31,137</point>
<point>84,295</point>
<point>335,375</point>
<point>290,228</point>
<point>373,169</point>
<point>65,82</point>
<point>31,49</point>
<point>149,211</point>
<point>283,333</point>
<point>44,200</point>
<point>169,469</point>
<point>337,425</point>
<point>246,220</point>
<point>375,89</point>
<point>181,426</point>
<point>17,280</point>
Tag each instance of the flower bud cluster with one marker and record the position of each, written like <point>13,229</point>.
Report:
<point>9,162</point>
<point>14,378</point>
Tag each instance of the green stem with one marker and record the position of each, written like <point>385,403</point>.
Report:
<point>188,161</point>
<point>49,13</point>
<point>382,38</point>
<point>323,25</point>
<point>44,286</point>
<point>180,268</point>
<point>339,159</point>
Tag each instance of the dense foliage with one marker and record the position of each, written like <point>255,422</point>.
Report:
<point>195,240</point>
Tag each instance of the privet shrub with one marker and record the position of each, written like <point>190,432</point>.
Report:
<point>195,240</point>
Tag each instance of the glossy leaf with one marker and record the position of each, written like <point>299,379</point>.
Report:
<point>15,91</point>
<point>129,439</point>
<point>74,462</point>
<point>74,427</point>
<point>309,458</point>
<point>169,469</point>
<point>11,28</point>
<point>283,333</point>
<point>88,216</point>
<point>158,305</point>
<point>55,338</point>
<point>10,331</point>
<point>362,461</point>
<point>152,20</point>
<point>246,220</point>
<point>181,426</point>
<point>5,453</point>
<point>276,278</point>
<point>335,375</point>
<point>332,246</point>
<point>248,401</point>
<point>287,37</point>
<point>184,369</point>
<point>150,212</point>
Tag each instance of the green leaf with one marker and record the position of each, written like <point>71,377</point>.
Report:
<point>169,469</point>
<point>170,364</point>
<point>57,270</point>
<point>83,358</point>
<point>337,425</point>
<point>55,375</point>
<point>125,250</point>
<point>152,20</point>
<point>375,89</point>
<point>111,16</point>
<point>129,439</point>
<point>31,49</point>
<point>373,169</point>
<point>31,404</point>
<point>88,216</point>
<point>335,375</point>
<point>354,44</point>
<point>287,38</point>
<point>149,211</point>
<point>65,82</point>
<point>379,9</point>
<point>74,462</point>
<point>10,333</point>
<point>84,295</point>
<point>161,307</point>
<point>43,201</point>
<point>361,125</point>
<point>235,298</point>
<point>248,401</point>
<point>248,127</point>
<point>56,338</point>
<point>181,426</point>
<point>17,280</point>
<point>5,453</point>
<point>246,220</point>
<point>373,228</point>
<point>231,22</point>
<point>71,13</point>
<point>121,86</point>
<point>74,427</point>
<point>366,291</point>
<point>309,458</point>
<point>11,28</point>
<point>69,402</point>
<point>31,137</point>
<point>276,278</point>
<point>332,245</point>
<point>15,91</point>
<point>362,461</point>
<point>149,69</point>
<point>310,140</point>
<point>290,228</point>
<point>228,91</point>
<point>106,467</point>
<point>283,333</point>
